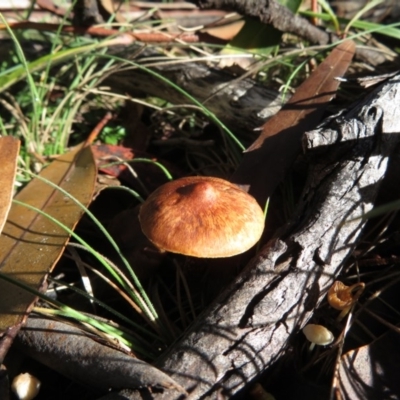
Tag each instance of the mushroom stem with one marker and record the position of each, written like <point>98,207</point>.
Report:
<point>343,313</point>
<point>317,334</point>
<point>311,348</point>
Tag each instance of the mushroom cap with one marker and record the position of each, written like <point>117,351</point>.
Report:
<point>318,334</point>
<point>25,386</point>
<point>202,217</point>
<point>341,296</point>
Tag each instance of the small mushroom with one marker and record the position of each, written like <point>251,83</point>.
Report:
<point>25,386</point>
<point>202,217</point>
<point>318,334</point>
<point>342,297</point>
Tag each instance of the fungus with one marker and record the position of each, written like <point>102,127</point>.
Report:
<point>318,334</point>
<point>25,386</point>
<point>342,297</point>
<point>202,217</point>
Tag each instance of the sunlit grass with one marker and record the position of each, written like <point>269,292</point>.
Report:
<point>46,124</point>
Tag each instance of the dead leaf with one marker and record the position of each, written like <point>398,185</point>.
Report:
<point>113,10</point>
<point>9,148</point>
<point>268,159</point>
<point>106,154</point>
<point>150,175</point>
<point>31,243</point>
<point>226,31</point>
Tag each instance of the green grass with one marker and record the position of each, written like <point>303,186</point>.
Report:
<point>43,100</point>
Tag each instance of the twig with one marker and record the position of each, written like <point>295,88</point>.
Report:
<point>281,18</point>
<point>99,31</point>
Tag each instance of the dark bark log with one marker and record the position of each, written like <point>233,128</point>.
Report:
<point>250,325</point>
<point>56,344</point>
<point>242,104</point>
<point>86,13</point>
<point>272,13</point>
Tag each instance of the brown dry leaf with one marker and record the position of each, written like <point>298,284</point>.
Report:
<point>106,154</point>
<point>226,31</point>
<point>113,10</point>
<point>9,148</point>
<point>267,160</point>
<point>31,243</point>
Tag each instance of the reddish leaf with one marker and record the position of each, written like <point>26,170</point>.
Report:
<point>150,175</point>
<point>105,154</point>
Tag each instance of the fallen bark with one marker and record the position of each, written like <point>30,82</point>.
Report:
<point>242,104</point>
<point>56,344</point>
<point>249,326</point>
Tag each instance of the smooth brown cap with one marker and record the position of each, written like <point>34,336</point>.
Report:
<point>202,217</point>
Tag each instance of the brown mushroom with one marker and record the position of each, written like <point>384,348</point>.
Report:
<point>202,217</point>
<point>342,297</point>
